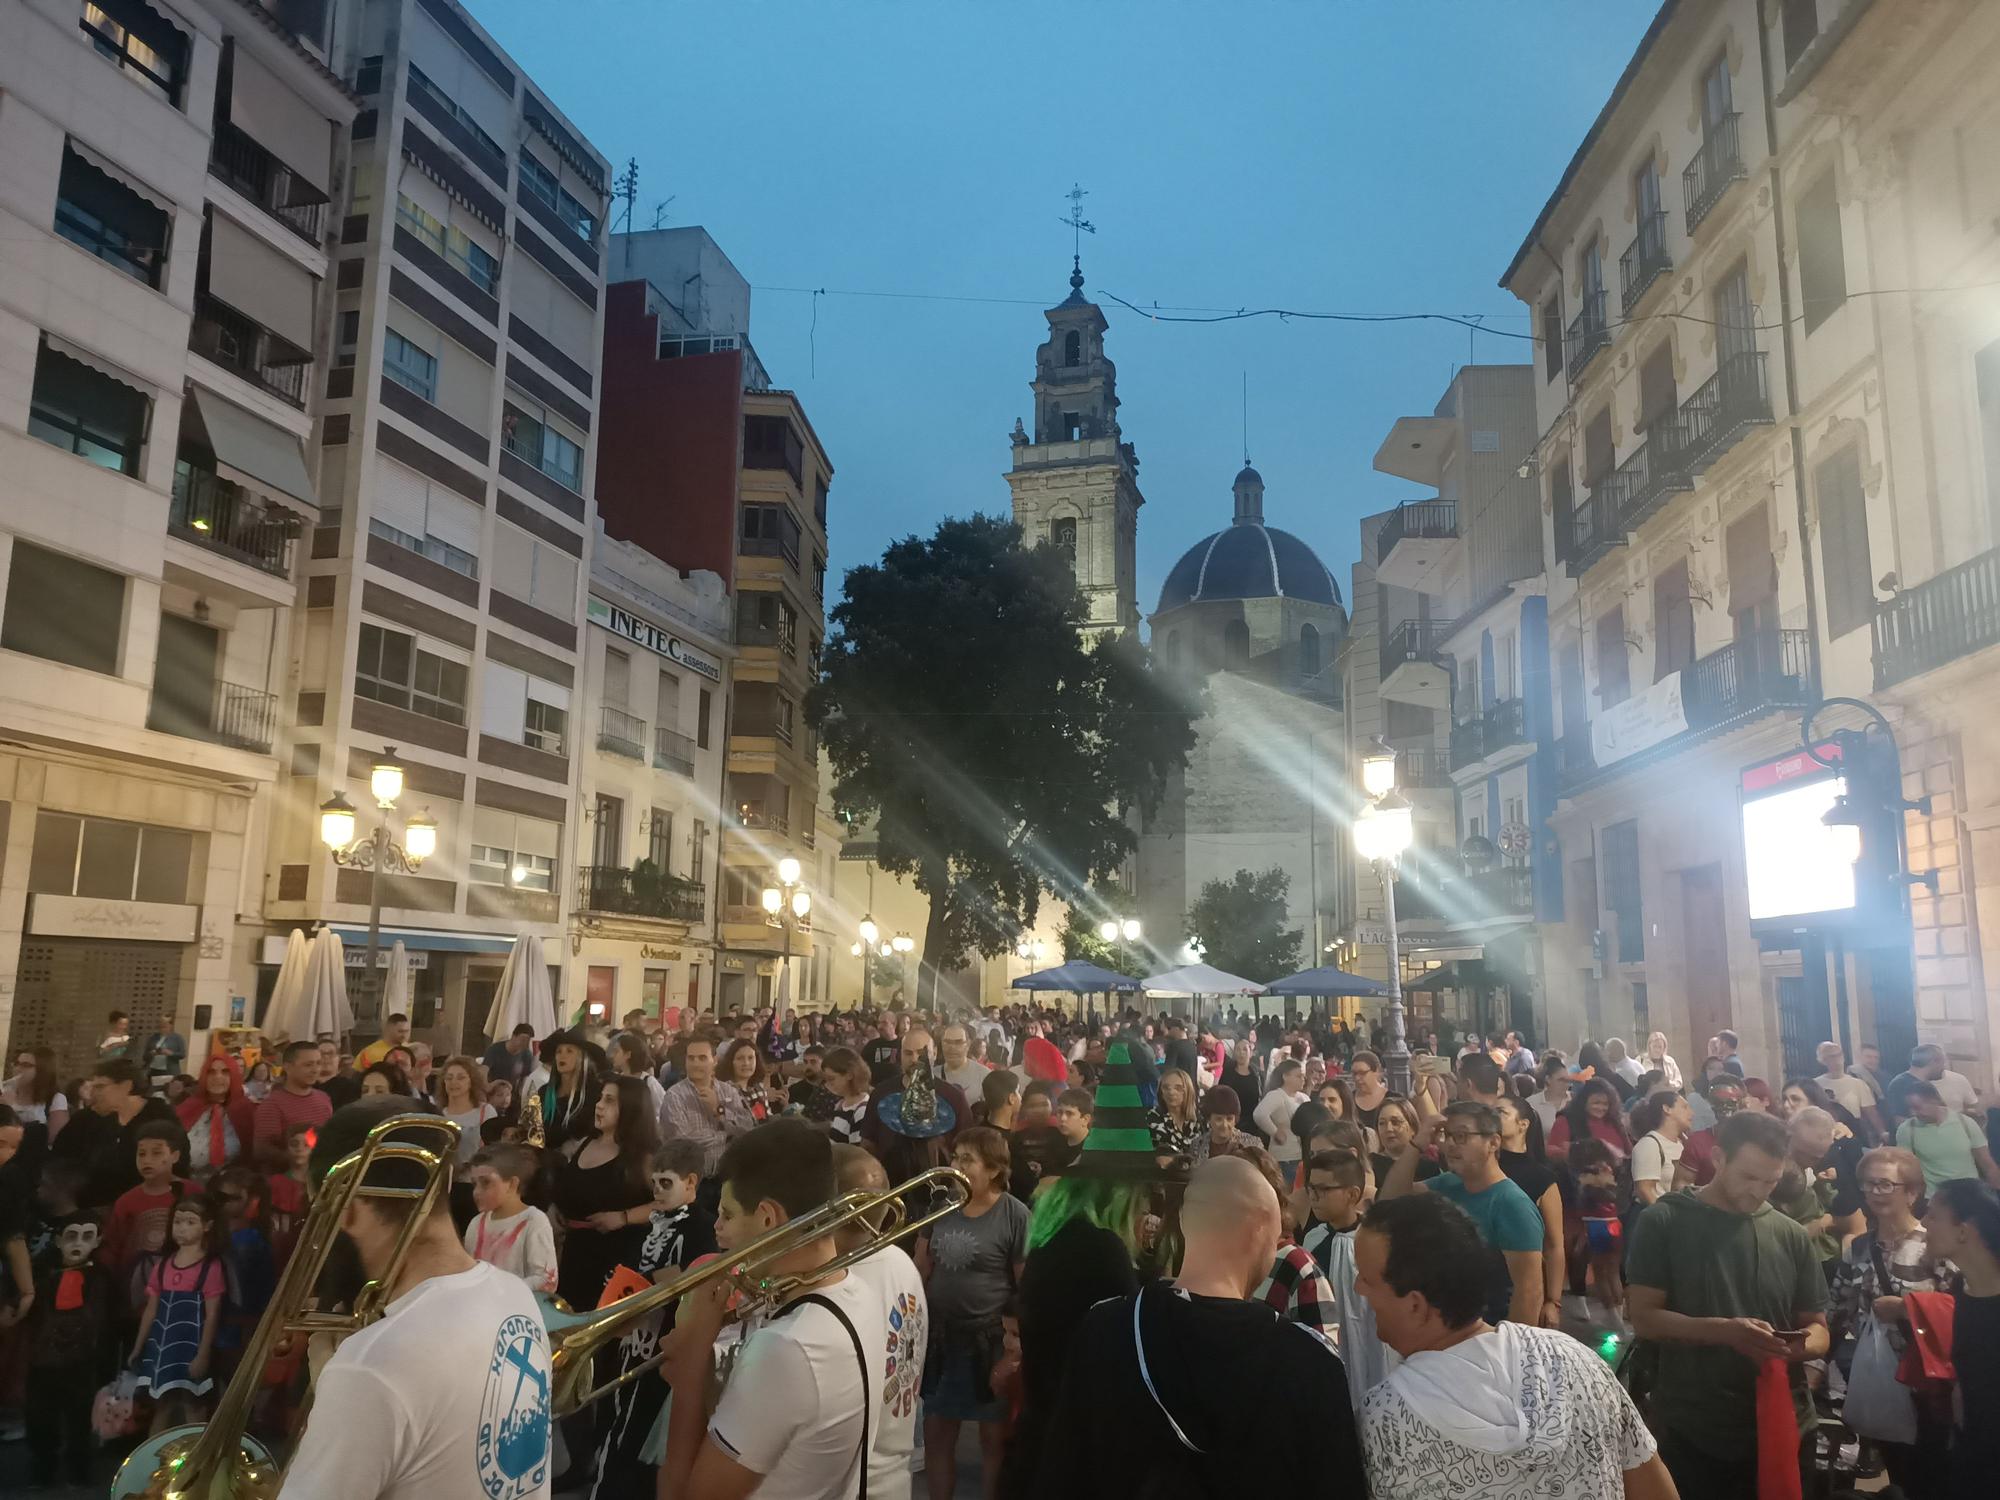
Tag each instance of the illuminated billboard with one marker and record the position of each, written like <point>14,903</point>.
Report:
<point>1799,870</point>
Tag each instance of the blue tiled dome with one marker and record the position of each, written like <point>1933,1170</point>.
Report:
<point>1249,561</point>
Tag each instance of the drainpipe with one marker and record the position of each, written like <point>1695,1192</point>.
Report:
<point>1793,427</point>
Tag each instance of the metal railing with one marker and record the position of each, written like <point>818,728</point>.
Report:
<point>755,815</point>
<point>620,733</point>
<point>1415,640</point>
<point>673,751</point>
<point>1938,621</point>
<point>1737,396</point>
<point>1717,163</point>
<point>1588,333</point>
<point>1770,669</point>
<point>1576,757</point>
<point>1494,730</point>
<point>1645,260</point>
<point>1597,525</point>
<point>1426,768</point>
<point>643,892</point>
<point>527,447</point>
<point>244,718</point>
<point>243,162</point>
<point>775,636</point>
<point>769,546</point>
<point>1429,520</point>
<point>246,347</point>
<point>1505,890</point>
<point>211,512</point>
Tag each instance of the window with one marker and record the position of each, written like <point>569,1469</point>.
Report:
<point>546,726</point>
<point>1072,349</point>
<point>348,334</point>
<point>104,216</point>
<point>1717,101</point>
<point>1621,889</point>
<point>419,84</point>
<point>1822,260</point>
<point>1562,502</point>
<point>704,708</point>
<point>1986,377</point>
<point>109,861</point>
<point>770,443</point>
<point>1072,426</point>
<point>82,410</point>
<point>150,50</point>
<point>617,677</point>
<point>518,852</point>
<point>391,668</point>
<point>1503,668</point>
<point>1308,651</point>
<point>1843,541</point>
<point>1673,622</point>
<point>819,502</point>
<point>529,436</point>
<point>771,531</point>
<point>419,516</point>
<point>62,609</point>
<point>409,365</point>
<point>699,847</point>
<point>607,842</point>
<point>542,182</point>
<point>819,576</point>
<point>450,242</point>
<point>1552,338</point>
<point>1801,24</point>
<point>667,702</point>
<point>660,839</point>
<point>1614,667</point>
<point>1593,283</point>
<point>1063,534</point>
<point>533,571</point>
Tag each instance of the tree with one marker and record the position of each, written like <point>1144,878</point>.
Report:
<point>1241,924</point>
<point>1080,937</point>
<point>997,753</point>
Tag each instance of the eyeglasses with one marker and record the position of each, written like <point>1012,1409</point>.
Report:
<point>1882,1185</point>
<point>1460,1137</point>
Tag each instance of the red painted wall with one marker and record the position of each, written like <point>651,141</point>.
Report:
<point>668,450</point>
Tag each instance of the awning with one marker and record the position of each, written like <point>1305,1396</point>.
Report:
<point>99,363</point>
<point>259,282</point>
<point>123,176</point>
<point>278,119</point>
<point>253,451</point>
<point>429,940</point>
<point>1460,974</point>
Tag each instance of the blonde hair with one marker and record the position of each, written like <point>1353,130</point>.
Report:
<point>1185,1114</point>
<point>1909,1171</point>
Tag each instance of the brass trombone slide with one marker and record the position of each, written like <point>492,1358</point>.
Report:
<point>575,1338</point>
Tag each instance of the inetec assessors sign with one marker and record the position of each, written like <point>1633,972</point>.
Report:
<point>645,633</point>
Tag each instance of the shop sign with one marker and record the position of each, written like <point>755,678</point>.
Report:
<point>1366,936</point>
<point>1640,722</point>
<point>645,633</point>
<point>357,957</point>
<point>666,955</point>
<point>117,921</point>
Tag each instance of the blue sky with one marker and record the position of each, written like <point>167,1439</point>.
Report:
<point>1326,155</point>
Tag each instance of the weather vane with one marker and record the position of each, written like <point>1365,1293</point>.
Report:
<point>1079,226</point>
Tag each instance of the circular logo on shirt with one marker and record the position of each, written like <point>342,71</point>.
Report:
<point>513,1447</point>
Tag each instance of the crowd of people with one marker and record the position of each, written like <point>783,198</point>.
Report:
<point>1232,1244</point>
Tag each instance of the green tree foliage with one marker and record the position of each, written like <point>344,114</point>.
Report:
<point>1241,924</point>
<point>996,754</point>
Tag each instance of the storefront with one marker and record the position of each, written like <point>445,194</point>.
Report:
<point>660,976</point>
<point>453,979</point>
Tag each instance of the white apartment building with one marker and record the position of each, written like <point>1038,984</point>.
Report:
<point>165,200</point>
<point>651,750</point>
<point>443,600</point>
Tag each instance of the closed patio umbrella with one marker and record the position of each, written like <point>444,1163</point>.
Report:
<point>523,994</point>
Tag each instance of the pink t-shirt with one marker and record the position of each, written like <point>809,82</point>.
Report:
<point>168,1277</point>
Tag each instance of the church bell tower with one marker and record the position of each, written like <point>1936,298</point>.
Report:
<point>1075,481</point>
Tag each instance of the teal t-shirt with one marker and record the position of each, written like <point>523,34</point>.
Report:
<point>1508,1221</point>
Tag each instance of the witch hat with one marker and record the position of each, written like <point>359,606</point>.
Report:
<point>1120,1143</point>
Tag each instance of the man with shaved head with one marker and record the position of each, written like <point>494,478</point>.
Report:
<point>905,1145</point>
<point>1210,1389</point>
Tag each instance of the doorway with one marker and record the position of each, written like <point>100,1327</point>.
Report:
<point>184,679</point>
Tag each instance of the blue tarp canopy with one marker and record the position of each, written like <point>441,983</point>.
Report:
<point>1076,978</point>
<point>1325,981</point>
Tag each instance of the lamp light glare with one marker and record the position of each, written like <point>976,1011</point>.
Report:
<point>336,821</point>
<point>788,871</point>
<point>385,780</point>
<point>774,899</point>
<point>870,933</point>
<point>420,837</point>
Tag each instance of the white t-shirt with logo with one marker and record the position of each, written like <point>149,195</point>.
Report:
<point>445,1398</point>
<point>893,1278</point>
<point>793,1408</point>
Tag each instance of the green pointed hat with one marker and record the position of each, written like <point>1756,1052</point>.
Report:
<point>1120,1143</point>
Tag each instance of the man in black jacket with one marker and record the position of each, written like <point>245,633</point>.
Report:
<point>1209,1390</point>
<point>103,1138</point>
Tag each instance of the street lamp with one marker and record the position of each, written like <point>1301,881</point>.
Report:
<point>789,901</point>
<point>865,951</point>
<point>1030,949</point>
<point>1114,928</point>
<point>377,852</point>
<point>902,945</point>
<point>1382,835</point>
<point>1378,769</point>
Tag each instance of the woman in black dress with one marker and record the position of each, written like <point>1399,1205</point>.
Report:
<point>575,1067</point>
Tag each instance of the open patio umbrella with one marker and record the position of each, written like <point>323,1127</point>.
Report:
<point>396,983</point>
<point>523,994</point>
<point>1077,977</point>
<point>1326,980</point>
<point>289,987</point>
<point>1200,979</point>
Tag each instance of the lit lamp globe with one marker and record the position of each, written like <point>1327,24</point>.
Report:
<point>802,902</point>
<point>336,821</point>
<point>1378,770</point>
<point>1384,831</point>
<point>855,949</point>
<point>902,942</point>
<point>774,899</point>
<point>885,950</point>
<point>420,837</point>
<point>788,871</point>
<point>1130,929</point>
<point>385,780</point>
<point>870,933</point>
<point>1843,829</point>
<point>1109,932</point>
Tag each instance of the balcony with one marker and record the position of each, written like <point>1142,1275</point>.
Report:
<point>1575,758</point>
<point>619,733</point>
<point>1748,678</point>
<point>757,815</point>
<point>243,718</point>
<point>770,546</point>
<point>1734,399</point>
<point>644,890</point>
<point>223,517</point>
<point>776,637</point>
<point>1588,334</point>
<point>1597,525</point>
<point>246,166</point>
<point>1718,163</point>
<point>1423,769</point>
<point>1474,740</point>
<point>673,751</point>
<point>1415,640</point>
<point>1939,621</point>
<point>1414,541</point>
<point>1645,260</point>
<point>1655,469</point>
<point>1504,891</point>
<point>245,347</point>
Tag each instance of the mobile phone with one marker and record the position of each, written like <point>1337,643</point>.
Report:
<point>1794,1339</point>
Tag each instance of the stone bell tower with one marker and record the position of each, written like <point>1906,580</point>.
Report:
<point>1075,481</point>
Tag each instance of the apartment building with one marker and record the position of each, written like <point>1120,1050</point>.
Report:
<point>443,603</point>
<point>709,467</point>
<point>656,673</point>
<point>167,211</point>
<point>1462,690</point>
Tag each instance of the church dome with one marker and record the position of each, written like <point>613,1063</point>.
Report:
<point>1248,475</point>
<point>1248,560</point>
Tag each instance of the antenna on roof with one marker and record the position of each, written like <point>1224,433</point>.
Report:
<point>627,187</point>
<point>660,210</point>
<point>1246,419</point>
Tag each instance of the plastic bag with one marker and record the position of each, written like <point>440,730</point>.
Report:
<point>1777,1434</point>
<point>114,1411</point>
<point>1878,1405</point>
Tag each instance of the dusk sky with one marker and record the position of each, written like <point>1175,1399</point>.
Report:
<point>1333,156</point>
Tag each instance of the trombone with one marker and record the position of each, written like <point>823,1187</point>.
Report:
<point>575,1338</point>
<point>218,1460</point>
